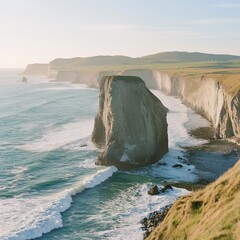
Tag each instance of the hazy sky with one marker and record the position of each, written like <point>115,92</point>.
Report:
<point>41,30</point>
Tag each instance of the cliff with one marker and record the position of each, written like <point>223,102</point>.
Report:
<point>131,125</point>
<point>210,213</point>
<point>210,95</point>
<point>208,83</point>
<point>90,78</point>
<point>36,69</point>
<point>217,97</point>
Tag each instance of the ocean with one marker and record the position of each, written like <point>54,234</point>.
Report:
<point>50,187</point>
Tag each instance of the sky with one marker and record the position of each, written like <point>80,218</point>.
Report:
<point>38,31</point>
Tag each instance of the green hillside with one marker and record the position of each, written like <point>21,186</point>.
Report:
<point>188,57</point>
<point>212,213</point>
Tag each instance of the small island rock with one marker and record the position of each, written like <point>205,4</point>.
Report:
<point>24,79</point>
<point>153,190</point>
<point>131,125</point>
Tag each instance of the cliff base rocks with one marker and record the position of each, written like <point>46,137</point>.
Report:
<point>210,213</point>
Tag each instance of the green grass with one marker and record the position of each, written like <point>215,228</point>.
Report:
<point>199,216</point>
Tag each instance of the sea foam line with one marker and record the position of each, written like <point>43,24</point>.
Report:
<point>57,138</point>
<point>30,218</point>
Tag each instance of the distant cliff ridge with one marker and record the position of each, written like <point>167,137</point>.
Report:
<point>209,95</point>
<point>209,84</point>
<point>131,125</point>
<point>37,69</point>
<point>217,98</point>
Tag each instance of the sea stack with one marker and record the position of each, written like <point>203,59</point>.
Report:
<point>130,126</point>
<point>24,79</point>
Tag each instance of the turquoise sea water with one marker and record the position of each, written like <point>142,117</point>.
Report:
<point>50,187</point>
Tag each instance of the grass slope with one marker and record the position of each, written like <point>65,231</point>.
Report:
<point>165,59</point>
<point>211,213</point>
<point>189,57</point>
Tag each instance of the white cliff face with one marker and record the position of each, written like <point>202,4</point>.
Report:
<point>203,94</point>
<point>163,81</point>
<point>131,125</point>
<point>90,78</point>
<point>36,69</point>
<point>208,97</point>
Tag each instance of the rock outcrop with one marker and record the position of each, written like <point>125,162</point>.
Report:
<point>24,79</point>
<point>210,213</point>
<point>131,125</point>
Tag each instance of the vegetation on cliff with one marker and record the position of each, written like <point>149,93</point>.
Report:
<point>210,213</point>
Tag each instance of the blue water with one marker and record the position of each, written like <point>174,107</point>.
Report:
<point>50,187</point>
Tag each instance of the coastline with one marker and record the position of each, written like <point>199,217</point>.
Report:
<point>188,155</point>
<point>152,220</point>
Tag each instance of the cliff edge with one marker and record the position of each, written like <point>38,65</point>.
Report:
<point>131,125</point>
<point>36,69</point>
<point>210,213</point>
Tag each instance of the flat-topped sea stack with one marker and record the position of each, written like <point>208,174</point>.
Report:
<point>131,125</point>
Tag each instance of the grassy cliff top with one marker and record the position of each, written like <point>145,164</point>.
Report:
<point>223,68</point>
<point>227,73</point>
<point>210,213</point>
<point>165,60</point>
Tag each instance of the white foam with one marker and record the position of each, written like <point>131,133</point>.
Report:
<point>18,171</point>
<point>179,137</point>
<point>59,137</point>
<point>29,218</point>
<point>133,205</point>
<point>88,163</point>
<point>67,86</point>
<point>177,117</point>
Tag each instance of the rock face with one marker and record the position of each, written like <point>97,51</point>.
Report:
<point>36,69</point>
<point>153,190</point>
<point>131,125</point>
<point>216,100</point>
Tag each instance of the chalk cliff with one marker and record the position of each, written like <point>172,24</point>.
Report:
<point>210,96</point>
<point>130,126</point>
<point>216,96</point>
<point>90,78</point>
<point>36,69</point>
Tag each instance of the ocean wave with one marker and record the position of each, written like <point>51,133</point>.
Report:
<point>67,86</point>
<point>63,136</point>
<point>137,205</point>
<point>29,218</point>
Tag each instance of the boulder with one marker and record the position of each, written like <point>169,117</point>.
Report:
<point>167,187</point>
<point>177,165</point>
<point>24,79</point>
<point>130,126</point>
<point>153,190</point>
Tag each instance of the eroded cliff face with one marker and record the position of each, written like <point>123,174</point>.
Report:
<point>207,96</point>
<point>204,94</point>
<point>90,78</point>
<point>131,125</point>
<point>36,69</point>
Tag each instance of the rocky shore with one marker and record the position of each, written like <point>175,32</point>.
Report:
<point>210,213</point>
<point>153,220</point>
